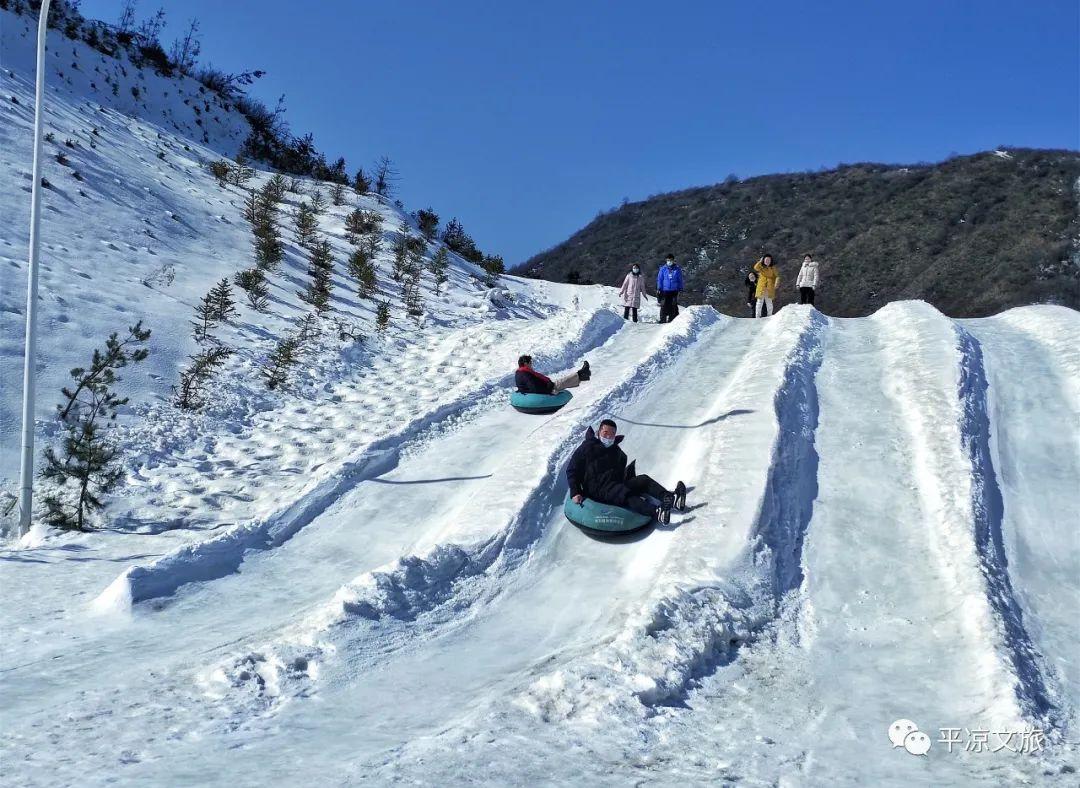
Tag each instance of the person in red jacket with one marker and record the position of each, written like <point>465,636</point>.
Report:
<point>529,381</point>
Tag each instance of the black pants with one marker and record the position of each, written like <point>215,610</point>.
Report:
<point>669,307</point>
<point>629,310</point>
<point>806,295</point>
<point>636,490</point>
<point>752,303</point>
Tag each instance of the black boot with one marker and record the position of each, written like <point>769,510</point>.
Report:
<point>663,514</point>
<point>680,497</point>
<point>584,373</point>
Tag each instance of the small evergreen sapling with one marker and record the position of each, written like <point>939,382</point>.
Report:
<point>320,267</point>
<point>401,253</point>
<point>222,298</point>
<point>253,282</point>
<point>382,317</point>
<point>204,318</point>
<point>189,392</point>
<point>239,171</point>
<point>337,194</point>
<point>428,222</point>
<point>439,266</point>
<point>275,188</point>
<point>305,224</point>
<point>362,269</point>
<point>317,202</point>
<point>88,457</point>
<point>280,361</point>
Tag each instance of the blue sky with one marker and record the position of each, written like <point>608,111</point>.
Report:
<point>526,119</point>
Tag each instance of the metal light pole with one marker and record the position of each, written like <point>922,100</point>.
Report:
<point>26,481</point>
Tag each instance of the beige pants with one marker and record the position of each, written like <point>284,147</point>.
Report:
<point>569,382</point>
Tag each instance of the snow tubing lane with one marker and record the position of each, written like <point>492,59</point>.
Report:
<point>539,404</point>
<point>603,518</point>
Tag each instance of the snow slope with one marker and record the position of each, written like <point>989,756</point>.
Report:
<point>367,578</point>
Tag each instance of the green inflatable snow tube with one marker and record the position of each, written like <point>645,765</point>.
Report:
<point>539,403</point>
<point>603,518</point>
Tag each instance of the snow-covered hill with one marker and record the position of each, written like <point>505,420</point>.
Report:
<point>367,578</point>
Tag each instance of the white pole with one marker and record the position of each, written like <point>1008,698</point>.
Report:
<point>26,482</point>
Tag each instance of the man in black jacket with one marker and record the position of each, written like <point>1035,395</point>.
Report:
<point>597,470</point>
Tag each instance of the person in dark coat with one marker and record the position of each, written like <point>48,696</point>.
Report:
<point>529,381</point>
<point>598,470</point>
<point>751,292</point>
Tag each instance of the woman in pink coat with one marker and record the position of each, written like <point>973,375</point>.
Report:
<point>632,290</point>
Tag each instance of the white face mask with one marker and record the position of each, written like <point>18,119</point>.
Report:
<point>608,442</point>
<point>671,263</point>
<point>635,270</point>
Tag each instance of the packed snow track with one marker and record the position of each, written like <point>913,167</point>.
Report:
<point>874,532</point>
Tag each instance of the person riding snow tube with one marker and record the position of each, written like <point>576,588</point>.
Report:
<point>539,394</point>
<point>606,493</point>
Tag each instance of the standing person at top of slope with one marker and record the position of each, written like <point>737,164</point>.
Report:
<point>807,279</point>
<point>669,282</point>
<point>751,292</point>
<point>529,381</point>
<point>767,281</point>
<point>632,291</point>
<point>598,470</point>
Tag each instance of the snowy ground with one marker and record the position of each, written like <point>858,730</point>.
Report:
<point>368,578</point>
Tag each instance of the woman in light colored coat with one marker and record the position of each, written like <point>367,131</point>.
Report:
<point>632,291</point>
<point>808,279</point>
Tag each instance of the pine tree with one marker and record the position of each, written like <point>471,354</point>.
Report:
<point>354,226</point>
<point>221,296</point>
<point>280,361</point>
<point>251,208</point>
<point>410,294</point>
<point>320,267</point>
<point>262,212</point>
<point>361,182</point>
<point>401,252</point>
<point>428,223</point>
<point>439,265</point>
<point>382,317</point>
<point>204,317</point>
<point>317,202</point>
<point>275,188</point>
<point>305,225</point>
<point>455,237</point>
<point>253,282</point>
<point>337,194</point>
<point>494,267</point>
<point>240,173</point>
<point>188,393</point>
<point>88,457</point>
<point>362,269</point>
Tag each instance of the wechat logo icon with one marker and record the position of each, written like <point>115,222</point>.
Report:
<point>906,734</point>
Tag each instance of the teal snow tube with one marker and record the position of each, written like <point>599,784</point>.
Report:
<point>539,403</point>
<point>603,518</point>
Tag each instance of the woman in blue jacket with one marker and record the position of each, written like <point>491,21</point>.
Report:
<point>669,282</point>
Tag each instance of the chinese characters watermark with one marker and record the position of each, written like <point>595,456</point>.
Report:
<point>905,733</point>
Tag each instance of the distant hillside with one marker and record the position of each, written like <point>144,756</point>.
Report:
<point>972,235</point>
